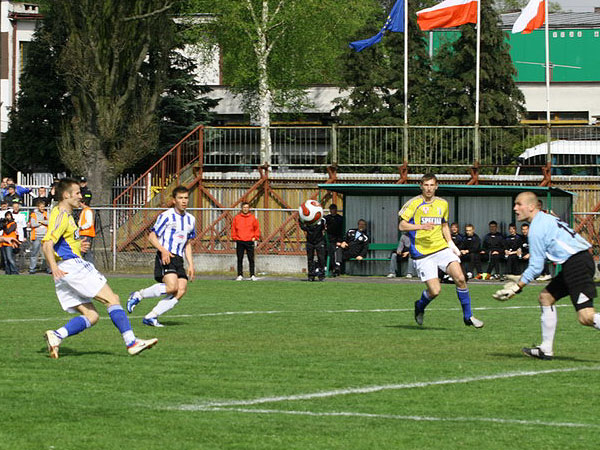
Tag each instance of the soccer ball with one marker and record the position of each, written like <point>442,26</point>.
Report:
<point>310,211</point>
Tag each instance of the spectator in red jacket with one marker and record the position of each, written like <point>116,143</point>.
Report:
<point>245,232</point>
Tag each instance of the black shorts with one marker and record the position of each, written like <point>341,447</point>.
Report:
<point>576,279</point>
<point>174,266</point>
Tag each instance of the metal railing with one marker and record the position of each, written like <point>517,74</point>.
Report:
<point>374,147</point>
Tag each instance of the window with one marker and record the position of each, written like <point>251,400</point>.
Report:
<point>23,52</point>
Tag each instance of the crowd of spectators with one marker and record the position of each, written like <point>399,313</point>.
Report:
<point>29,225</point>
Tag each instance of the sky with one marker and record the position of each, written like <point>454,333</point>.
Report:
<point>578,5</point>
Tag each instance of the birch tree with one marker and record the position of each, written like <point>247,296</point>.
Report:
<point>273,49</point>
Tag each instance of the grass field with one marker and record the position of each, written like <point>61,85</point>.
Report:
<point>290,365</point>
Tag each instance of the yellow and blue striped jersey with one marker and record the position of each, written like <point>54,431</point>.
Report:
<point>64,233</point>
<point>418,211</point>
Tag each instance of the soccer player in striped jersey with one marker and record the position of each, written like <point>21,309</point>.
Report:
<point>550,238</point>
<point>425,218</point>
<point>77,281</point>
<point>170,236</point>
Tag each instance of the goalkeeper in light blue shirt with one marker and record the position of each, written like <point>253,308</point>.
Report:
<point>550,238</point>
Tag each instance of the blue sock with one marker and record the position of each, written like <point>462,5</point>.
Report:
<point>423,301</point>
<point>465,302</point>
<point>74,326</point>
<point>119,318</point>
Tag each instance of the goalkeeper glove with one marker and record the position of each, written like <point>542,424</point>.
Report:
<point>509,290</point>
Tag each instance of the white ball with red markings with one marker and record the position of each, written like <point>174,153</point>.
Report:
<point>310,211</point>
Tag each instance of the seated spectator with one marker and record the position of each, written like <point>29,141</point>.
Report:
<point>457,238</point>
<point>20,220</point>
<point>524,250</point>
<point>38,222</point>
<point>9,230</point>
<point>354,245</point>
<point>492,250</point>
<point>11,194</point>
<point>470,258</point>
<point>402,253</point>
<point>43,195</point>
<point>512,246</point>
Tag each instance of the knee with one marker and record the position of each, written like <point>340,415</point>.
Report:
<point>114,300</point>
<point>586,317</point>
<point>460,281</point>
<point>434,292</point>
<point>171,290</point>
<point>181,292</point>
<point>545,299</point>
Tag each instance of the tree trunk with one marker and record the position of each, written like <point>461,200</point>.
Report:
<point>265,96</point>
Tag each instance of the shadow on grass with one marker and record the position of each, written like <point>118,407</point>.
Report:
<point>170,323</point>
<point>415,327</point>
<point>519,355</point>
<point>66,351</point>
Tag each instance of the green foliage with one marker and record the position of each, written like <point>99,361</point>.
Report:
<point>31,142</point>
<point>304,38</point>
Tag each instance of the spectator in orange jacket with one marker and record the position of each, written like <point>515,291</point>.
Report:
<point>245,232</point>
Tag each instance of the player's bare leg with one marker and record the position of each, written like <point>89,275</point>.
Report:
<point>175,288</point>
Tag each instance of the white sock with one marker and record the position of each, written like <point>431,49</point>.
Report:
<point>597,321</point>
<point>62,332</point>
<point>549,322</point>
<point>156,290</point>
<point>162,307</point>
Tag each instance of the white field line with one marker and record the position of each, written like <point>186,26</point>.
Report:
<point>407,418</point>
<point>326,311</point>
<point>370,389</point>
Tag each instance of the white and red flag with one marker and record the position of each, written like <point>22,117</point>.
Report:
<point>532,17</point>
<point>448,14</point>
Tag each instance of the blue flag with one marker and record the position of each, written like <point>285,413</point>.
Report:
<point>394,22</point>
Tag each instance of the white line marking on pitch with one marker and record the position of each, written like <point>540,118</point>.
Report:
<point>370,389</point>
<point>326,311</point>
<point>415,418</point>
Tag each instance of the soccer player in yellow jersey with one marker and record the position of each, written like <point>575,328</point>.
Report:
<point>425,218</point>
<point>77,281</point>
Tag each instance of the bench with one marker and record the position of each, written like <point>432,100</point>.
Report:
<point>376,252</point>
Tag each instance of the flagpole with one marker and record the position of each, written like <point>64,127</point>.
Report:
<point>547,39</point>
<point>477,70</point>
<point>405,81</point>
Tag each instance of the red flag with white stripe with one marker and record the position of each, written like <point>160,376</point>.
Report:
<point>448,14</point>
<point>531,17</point>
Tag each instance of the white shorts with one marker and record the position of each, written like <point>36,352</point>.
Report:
<point>427,267</point>
<point>80,285</point>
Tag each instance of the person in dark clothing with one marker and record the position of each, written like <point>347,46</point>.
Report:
<point>493,249</point>
<point>315,246</point>
<point>524,250</point>
<point>470,258</point>
<point>512,244</point>
<point>335,232</point>
<point>457,238</point>
<point>354,245</point>
<point>11,194</point>
<point>43,195</point>
<point>85,190</point>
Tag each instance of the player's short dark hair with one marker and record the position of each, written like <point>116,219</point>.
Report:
<point>512,225</point>
<point>244,203</point>
<point>180,190</point>
<point>333,206</point>
<point>362,220</point>
<point>493,222</point>
<point>526,224</point>
<point>469,225</point>
<point>63,186</point>
<point>454,223</point>
<point>39,201</point>
<point>427,177</point>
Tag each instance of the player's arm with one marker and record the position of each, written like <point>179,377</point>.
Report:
<point>190,261</point>
<point>407,226</point>
<point>448,236</point>
<point>165,255</point>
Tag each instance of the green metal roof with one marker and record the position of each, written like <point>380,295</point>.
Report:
<point>443,190</point>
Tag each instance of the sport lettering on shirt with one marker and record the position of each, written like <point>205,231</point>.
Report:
<point>433,220</point>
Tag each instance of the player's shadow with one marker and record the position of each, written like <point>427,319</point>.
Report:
<point>519,355</point>
<point>66,351</point>
<point>415,327</point>
<point>172,323</point>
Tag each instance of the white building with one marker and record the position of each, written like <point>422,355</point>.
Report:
<point>17,26</point>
